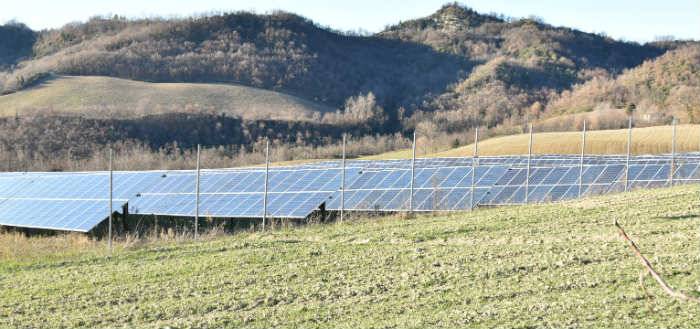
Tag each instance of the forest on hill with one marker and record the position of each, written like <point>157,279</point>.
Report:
<point>443,75</point>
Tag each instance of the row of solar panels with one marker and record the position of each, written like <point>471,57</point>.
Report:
<point>518,160</point>
<point>79,201</point>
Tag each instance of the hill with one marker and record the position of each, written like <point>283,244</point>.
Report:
<point>647,140</point>
<point>280,51</point>
<point>554,265</point>
<point>445,73</point>
<point>522,63</point>
<point>97,97</point>
<point>665,86</point>
<point>438,63</point>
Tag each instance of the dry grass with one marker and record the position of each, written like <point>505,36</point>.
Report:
<point>650,140</point>
<point>16,247</point>
<point>106,97</point>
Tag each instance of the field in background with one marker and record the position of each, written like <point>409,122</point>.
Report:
<point>648,140</point>
<point>111,97</point>
<point>550,265</point>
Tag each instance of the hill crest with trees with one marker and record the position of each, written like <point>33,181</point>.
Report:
<point>445,74</point>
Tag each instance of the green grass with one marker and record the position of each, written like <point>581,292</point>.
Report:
<point>553,265</point>
<point>111,97</point>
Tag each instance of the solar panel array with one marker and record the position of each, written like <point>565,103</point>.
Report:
<point>240,193</point>
<point>434,188</point>
<point>65,201</point>
<point>79,201</point>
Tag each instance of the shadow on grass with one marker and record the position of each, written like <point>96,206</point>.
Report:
<point>679,217</point>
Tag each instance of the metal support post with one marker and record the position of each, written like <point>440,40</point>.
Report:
<point>342,183</point>
<point>413,173</point>
<point>673,153</point>
<point>583,154</point>
<point>111,211</point>
<point>527,176</point>
<point>267,175</point>
<point>629,152</point>
<point>196,198</point>
<point>475,160</point>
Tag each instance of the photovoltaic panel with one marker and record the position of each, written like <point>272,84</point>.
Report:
<point>240,193</point>
<point>65,201</point>
<point>437,188</point>
<point>659,175</point>
<point>244,205</point>
<point>513,161</point>
<point>55,214</point>
<point>546,184</point>
<point>78,201</point>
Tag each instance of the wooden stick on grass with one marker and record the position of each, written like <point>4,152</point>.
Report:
<point>650,269</point>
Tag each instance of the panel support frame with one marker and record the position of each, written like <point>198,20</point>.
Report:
<point>196,198</point>
<point>413,173</point>
<point>342,183</point>
<point>629,152</point>
<point>583,154</point>
<point>671,174</point>
<point>267,175</point>
<point>527,175</point>
<point>475,159</point>
<point>111,210</point>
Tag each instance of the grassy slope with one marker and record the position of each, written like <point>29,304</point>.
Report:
<point>651,140</point>
<point>558,265</point>
<point>103,96</point>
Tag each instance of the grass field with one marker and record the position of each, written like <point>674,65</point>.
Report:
<point>105,97</point>
<point>649,140</point>
<point>553,265</point>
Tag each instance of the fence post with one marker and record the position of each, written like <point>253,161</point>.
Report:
<point>527,175</point>
<point>267,173</point>
<point>474,164</point>
<point>111,211</point>
<point>673,152</point>
<point>629,151</point>
<point>413,173</point>
<point>583,154</point>
<point>196,198</point>
<point>342,183</point>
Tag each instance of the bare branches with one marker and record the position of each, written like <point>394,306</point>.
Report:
<point>651,271</point>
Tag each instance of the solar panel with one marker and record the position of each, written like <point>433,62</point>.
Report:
<point>55,214</point>
<point>291,193</point>
<point>78,201</point>
<point>447,188</point>
<point>547,184</point>
<point>65,201</point>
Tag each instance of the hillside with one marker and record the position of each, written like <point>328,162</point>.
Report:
<point>554,265</point>
<point>666,86</point>
<point>105,97</point>
<point>426,64</point>
<point>446,73</point>
<point>280,51</point>
<point>462,31</point>
<point>522,63</point>
<point>648,140</point>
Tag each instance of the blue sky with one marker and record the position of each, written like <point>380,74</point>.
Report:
<point>640,20</point>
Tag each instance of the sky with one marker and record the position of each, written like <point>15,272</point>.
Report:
<point>640,20</point>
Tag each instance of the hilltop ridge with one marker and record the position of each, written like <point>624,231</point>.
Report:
<point>443,75</point>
